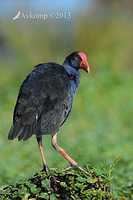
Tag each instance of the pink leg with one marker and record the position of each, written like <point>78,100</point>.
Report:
<point>45,167</point>
<point>63,153</point>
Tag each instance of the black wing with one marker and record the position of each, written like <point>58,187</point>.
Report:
<point>43,103</point>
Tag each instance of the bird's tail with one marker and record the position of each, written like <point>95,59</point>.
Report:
<point>20,131</point>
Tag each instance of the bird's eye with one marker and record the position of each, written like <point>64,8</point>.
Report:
<point>76,58</point>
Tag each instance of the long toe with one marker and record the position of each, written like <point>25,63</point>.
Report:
<point>82,170</point>
<point>53,168</point>
<point>66,169</point>
<point>76,167</point>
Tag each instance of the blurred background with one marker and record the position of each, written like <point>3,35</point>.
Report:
<point>100,127</point>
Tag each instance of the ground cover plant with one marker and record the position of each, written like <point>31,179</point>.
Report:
<point>62,185</point>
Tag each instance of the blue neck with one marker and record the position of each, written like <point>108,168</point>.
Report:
<point>75,81</point>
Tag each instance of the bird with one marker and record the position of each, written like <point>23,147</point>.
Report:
<point>45,102</point>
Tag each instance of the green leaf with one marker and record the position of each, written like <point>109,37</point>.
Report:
<point>53,197</point>
<point>81,179</point>
<point>22,191</point>
<point>80,185</point>
<point>45,184</point>
<point>28,184</point>
<point>38,190</point>
<point>57,195</point>
<point>26,196</point>
<point>101,180</point>
<point>73,197</point>
<point>33,189</point>
<point>63,184</point>
<point>14,188</point>
<point>44,195</point>
<point>90,180</point>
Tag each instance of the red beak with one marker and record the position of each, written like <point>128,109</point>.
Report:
<point>84,64</point>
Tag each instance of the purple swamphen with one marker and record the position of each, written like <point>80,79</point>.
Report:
<point>45,101</point>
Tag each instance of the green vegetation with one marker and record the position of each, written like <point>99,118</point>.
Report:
<point>99,130</point>
<point>62,185</point>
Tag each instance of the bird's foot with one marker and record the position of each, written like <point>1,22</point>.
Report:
<point>53,168</point>
<point>76,167</point>
<point>45,168</point>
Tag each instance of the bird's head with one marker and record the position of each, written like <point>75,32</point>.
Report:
<point>77,60</point>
